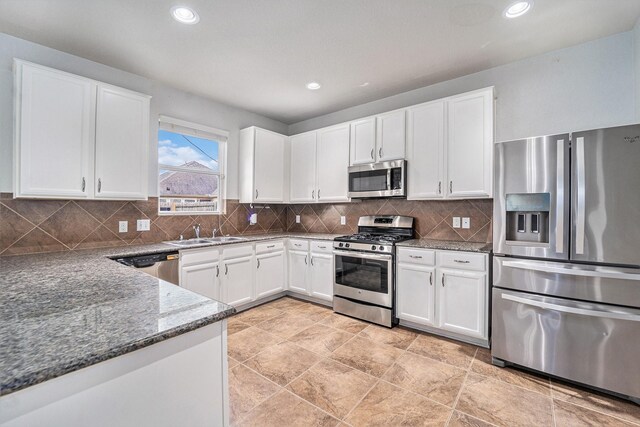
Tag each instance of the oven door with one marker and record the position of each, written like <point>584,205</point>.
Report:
<point>364,277</point>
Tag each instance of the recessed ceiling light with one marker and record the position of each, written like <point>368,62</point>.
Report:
<point>313,85</point>
<point>517,8</point>
<point>184,15</point>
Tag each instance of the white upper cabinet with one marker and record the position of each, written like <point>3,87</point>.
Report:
<point>262,166</point>
<point>470,144</point>
<point>76,138</point>
<point>390,136</point>
<point>303,168</point>
<point>122,144</point>
<point>333,164</point>
<point>425,151</point>
<point>54,133</point>
<point>363,141</point>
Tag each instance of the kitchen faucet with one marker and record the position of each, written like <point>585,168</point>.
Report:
<point>196,228</point>
<point>214,232</point>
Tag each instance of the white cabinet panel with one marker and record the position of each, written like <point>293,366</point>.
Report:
<point>470,144</point>
<point>269,274</point>
<point>122,144</point>
<point>238,280</point>
<point>322,276</point>
<point>202,278</point>
<point>425,151</point>
<point>462,302</point>
<point>303,168</point>
<point>54,133</point>
<point>261,166</point>
<point>333,163</point>
<point>298,267</point>
<point>416,293</point>
<point>390,136</point>
<point>363,141</point>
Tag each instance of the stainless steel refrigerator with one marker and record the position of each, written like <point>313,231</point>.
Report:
<point>566,270</point>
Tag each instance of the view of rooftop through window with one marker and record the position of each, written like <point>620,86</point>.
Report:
<point>189,173</point>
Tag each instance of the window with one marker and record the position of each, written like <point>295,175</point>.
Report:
<point>190,168</point>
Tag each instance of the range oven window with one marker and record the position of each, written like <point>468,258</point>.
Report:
<point>372,180</point>
<point>361,273</point>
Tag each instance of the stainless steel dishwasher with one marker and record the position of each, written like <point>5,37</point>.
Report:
<point>165,266</point>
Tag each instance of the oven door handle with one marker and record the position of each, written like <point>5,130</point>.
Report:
<point>363,255</point>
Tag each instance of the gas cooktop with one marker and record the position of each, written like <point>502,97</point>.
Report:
<point>377,233</point>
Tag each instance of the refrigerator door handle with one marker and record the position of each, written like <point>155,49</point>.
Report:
<point>546,267</point>
<point>560,198</point>
<point>573,310</point>
<point>580,205</point>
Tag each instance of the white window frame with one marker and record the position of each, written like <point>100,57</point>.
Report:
<point>219,136</point>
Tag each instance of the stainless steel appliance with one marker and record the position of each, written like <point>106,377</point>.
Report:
<point>384,179</point>
<point>566,275</point>
<point>164,266</point>
<point>364,268</point>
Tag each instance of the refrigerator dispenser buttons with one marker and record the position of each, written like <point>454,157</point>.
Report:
<point>527,217</point>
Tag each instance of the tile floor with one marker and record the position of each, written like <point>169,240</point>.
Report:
<point>293,363</point>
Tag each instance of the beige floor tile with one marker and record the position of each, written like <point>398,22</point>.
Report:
<point>321,339</point>
<point>458,419</point>
<point>232,362</point>
<point>568,415</point>
<point>285,303</point>
<point>249,342</point>
<point>286,324</point>
<point>388,405</point>
<point>367,356</point>
<point>283,362</point>
<point>246,390</point>
<point>345,323</point>
<point>286,409</point>
<point>258,314</point>
<point>504,404</point>
<point>332,387</point>
<point>482,365</point>
<point>311,311</point>
<point>234,325</point>
<point>598,402</point>
<point>448,351</point>
<point>433,379</point>
<point>398,337</point>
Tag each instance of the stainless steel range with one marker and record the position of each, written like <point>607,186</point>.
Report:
<point>364,285</point>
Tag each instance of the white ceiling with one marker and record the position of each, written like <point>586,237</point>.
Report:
<point>259,54</point>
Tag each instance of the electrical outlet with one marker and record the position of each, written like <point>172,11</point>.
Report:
<point>253,219</point>
<point>343,220</point>
<point>466,222</point>
<point>456,222</point>
<point>123,226</point>
<point>297,219</point>
<point>143,225</point>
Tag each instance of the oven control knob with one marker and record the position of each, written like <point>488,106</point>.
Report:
<point>381,248</point>
<point>373,248</point>
<point>346,245</point>
<point>341,245</point>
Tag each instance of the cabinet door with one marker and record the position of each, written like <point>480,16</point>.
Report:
<point>322,276</point>
<point>470,144</point>
<point>416,293</point>
<point>333,164</point>
<point>238,280</point>
<point>298,268</point>
<point>303,168</point>
<point>122,144</point>
<point>391,136</point>
<point>269,274</point>
<point>54,133</point>
<point>425,151</point>
<point>202,278</point>
<point>269,166</point>
<point>462,302</point>
<point>363,141</point>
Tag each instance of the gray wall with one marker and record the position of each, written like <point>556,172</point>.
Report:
<point>166,100</point>
<point>636,69</point>
<point>583,87</point>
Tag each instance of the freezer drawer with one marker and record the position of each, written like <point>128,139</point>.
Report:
<point>609,285</point>
<point>593,344</point>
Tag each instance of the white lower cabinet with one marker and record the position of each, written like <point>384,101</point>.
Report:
<point>270,273</point>
<point>448,292</point>
<point>321,276</point>
<point>311,268</point>
<point>237,274</point>
<point>200,271</point>
<point>298,262</point>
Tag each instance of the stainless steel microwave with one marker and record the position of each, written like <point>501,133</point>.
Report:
<point>384,179</point>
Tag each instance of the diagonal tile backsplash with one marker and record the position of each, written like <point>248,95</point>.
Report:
<point>32,226</point>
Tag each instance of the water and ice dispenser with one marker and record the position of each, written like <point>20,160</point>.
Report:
<point>528,217</point>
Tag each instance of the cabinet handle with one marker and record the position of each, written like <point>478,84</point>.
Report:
<point>380,152</point>
<point>256,193</point>
<point>226,270</point>
<point>322,247</point>
<point>313,194</point>
<point>99,185</point>
<point>439,187</point>
<point>431,278</point>
<point>372,154</point>
<point>311,260</point>
<point>258,263</point>
<point>271,246</point>
<point>415,256</point>
<point>217,271</point>
<point>297,244</point>
<point>443,280</point>
<point>318,194</point>
<point>305,260</point>
<point>450,186</point>
<point>83,183</point>
<point>460,261</point>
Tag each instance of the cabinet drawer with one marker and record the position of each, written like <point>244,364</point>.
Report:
<point>269,246</point>
<point>199,256</point>
<point>462,260</point>
<point>322,246</point>
<point>237,251</point>
<point>299,244</point>
<point>417,256</point>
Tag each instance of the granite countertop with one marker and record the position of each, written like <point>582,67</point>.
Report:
<point>448,245</point>
<point>63,311</point>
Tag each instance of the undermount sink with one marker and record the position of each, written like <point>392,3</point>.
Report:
<point>225,239</point>
<point>200,241</point>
